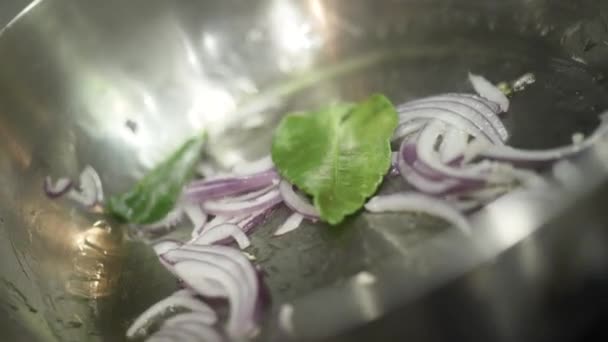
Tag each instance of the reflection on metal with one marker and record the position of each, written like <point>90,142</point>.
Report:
<point>97,261</point>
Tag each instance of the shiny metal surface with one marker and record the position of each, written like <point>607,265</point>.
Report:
<point>119,84</point>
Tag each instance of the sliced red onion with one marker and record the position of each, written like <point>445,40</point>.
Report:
<point>296,202</point>
<point>489,91</point>
<point>472,99</point>
<point>248,196</point>
<point>410,157</point>
<point>231,253</point>
<point>90,191</point>
<point>293,222</point>
<point>96,180</point>
<point>418,180</point>
<point>260,165</point>
<point>214,222</point>
<point>187,318</point>
<point>466,111</point>
<point>177,334</point>
<point>164,246</point>
<point>195,214</point>
<point>171,302</point>
<point>493,106</point>
<point>245,207</point>
<point>453,145</point>
<point>230,259</point>
<point>410,201</point>
<point>194,324</point>
<point>518,156</point>
<point>240,321</point>
<point>257,218</point>
<point>57,188</point>
<point>222,232</point>
<point>184,292</point>
<point>481,172</point>
<point>408,128</point>
<point>199,191</point>
<point>486,108</point>
<point>264,176</point>
<point>452,118</point>
<point>213,288</point>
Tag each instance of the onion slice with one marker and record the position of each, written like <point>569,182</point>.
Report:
<point>240,321</point>
<point>410,201</point>
<point>226,208</point>
<point>408,128</point>
<point>453,145</point>
<point>171,302</point>
<point>57,188</point>
<point>90,190</point>
<point>222,232</point>
<point>468,112</point>
<point>164,246</point>
<point>484,105</point>
<point>418,180</point>
<point>481,172</point>
<point>292,223</point>
<point>514,155</point>
<point>194,323</point>
<point>296,202</point>
<point>486,89</point>
<point>195,214</point>
<point>453,118</point>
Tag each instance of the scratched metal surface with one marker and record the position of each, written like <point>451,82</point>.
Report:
<point>72,73</point>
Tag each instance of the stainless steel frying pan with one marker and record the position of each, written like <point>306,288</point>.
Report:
<point>118,84</point>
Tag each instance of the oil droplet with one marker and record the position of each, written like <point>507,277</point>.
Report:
<point>97,261</point>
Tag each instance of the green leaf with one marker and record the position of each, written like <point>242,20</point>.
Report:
<point>155,195</point>
<point>338,155</point>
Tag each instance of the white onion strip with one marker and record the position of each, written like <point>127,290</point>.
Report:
<point>90,190</point>
<point>449,117</point>
<point>416,202</point>
<point>515,155</point>
<point>408,128</point>
<point>195,214</point>
<point>297,202</point>
<point>453,145</point>
<point>489,91</point>
<point>239,321</point>
<point>191,323</point>
<point>57,188</point>
<point>170,302</point>
<point>464,110</point>
<point>292,223</point>
<point>483,171</point>
<point>244,207</point>
<point>222,232</point>
<point>486,108</point>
